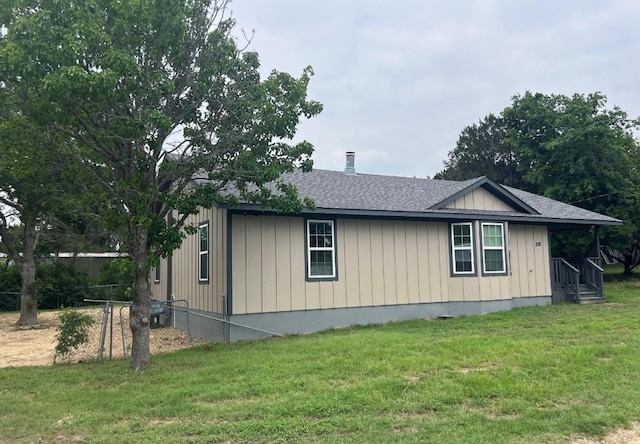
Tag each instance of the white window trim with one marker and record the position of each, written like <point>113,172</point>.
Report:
<point>332,249</point>
<point>469,248</point>
<point>201,252</point>
<point>502,248</point>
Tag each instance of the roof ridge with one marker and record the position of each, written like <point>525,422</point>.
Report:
<point>472,180</point>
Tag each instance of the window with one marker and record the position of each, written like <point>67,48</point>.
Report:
<point>321,252</point>
<point>493,254</point>
<point>462,248</point>
<point>156,278</point>
<point>203,253</point>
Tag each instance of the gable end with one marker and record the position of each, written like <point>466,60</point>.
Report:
<point>501,199</point>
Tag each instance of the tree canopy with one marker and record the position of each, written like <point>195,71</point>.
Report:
<point>38,190</point>
<point>151,93</point>
<point>573,149</point>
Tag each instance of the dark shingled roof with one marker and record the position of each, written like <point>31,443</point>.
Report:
<point>335,192</point>
<point>334,189</point>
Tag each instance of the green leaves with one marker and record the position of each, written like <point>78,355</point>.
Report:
<point>73,331</point>
<point>143,95</point>
<point>573,149</point>
<point>120,78</point>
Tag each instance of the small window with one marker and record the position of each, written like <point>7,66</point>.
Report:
<point>156,277</point>
<point>462,248</point>
<point>321,252</point>
<point>203,253</point>
<point>493,251</point>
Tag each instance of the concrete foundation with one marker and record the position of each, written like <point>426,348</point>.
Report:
<point>211,326</point>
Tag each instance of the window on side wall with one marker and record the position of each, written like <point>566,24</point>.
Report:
<point>493,249</point>
<point>462,256</point>
<point>156,277</point>
<point>321,251</point>
<point>203,252</point>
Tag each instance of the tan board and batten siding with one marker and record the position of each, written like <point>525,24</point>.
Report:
<point>479,199</point>
<point>205,296</point>
<point>379,263</point>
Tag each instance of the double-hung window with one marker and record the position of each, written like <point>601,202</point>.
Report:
<point>462,249</point>
<point>203,252</point>
<point>493,251</point>
<point>321,250</point>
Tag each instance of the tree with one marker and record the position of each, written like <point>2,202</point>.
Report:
<point>483,149</point>
<point>576,150</point>
<point>29,197</point>
<point>39,191</point>
<point>153,92</point>
<point>573,149</point>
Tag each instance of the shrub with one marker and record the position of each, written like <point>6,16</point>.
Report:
<point>58,285</point>
<point>115,281</point>
<point>73,331</point>
<point>61,285</point>
<point>10,284</point>
<point>117,271</point>
<point>10,278</point>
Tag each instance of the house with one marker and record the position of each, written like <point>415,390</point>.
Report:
<point>376,249</point>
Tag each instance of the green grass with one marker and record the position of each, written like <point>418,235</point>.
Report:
<point>614,273</point>
<point>540,374</point>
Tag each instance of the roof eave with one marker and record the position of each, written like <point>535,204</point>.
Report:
<point>438,216</point>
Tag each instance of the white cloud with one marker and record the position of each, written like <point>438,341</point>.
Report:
<point>400,81</point>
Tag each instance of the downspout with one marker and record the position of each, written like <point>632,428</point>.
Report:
<point>228,300</point>
<point>169,277</point>
<point>554,297</point>
<point>170,294</point>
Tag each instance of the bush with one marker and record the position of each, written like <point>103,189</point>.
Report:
<point>61,285</point>
<point>58,285</point>
<point>10,285</point>
<point>73,331</point>
<point>117,271</point>
<point>115,281</point>
<point>10,279</point>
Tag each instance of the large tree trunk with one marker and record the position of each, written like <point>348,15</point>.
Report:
<point>140,311</point>
<point>27,265</point>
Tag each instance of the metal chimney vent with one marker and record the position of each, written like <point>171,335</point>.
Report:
<point>351,163</point>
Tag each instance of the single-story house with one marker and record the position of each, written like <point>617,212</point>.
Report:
<point>375,249</point>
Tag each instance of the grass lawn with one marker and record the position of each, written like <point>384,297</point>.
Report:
<point>539,374</point>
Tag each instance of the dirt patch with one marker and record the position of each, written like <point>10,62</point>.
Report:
<point>619,436</point>
<point>23,346</point>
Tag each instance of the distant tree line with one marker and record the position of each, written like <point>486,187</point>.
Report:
<point>60,284</point>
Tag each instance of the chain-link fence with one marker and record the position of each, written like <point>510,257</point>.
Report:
<point>108,338</point>
<point>110,334</point>
<point>10,300</point>
<point>111,292</point>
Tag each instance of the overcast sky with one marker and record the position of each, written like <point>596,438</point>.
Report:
<point>400,80</point>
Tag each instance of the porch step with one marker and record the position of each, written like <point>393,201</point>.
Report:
<point>585,291</point>
<point>587,296</point>
<point>591,300</point>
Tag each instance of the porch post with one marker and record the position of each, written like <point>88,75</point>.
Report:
<point>599,262</point>
<point>597,242</point>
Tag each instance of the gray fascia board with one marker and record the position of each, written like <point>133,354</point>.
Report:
<point>492,188</point>
<point>440,216</point>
